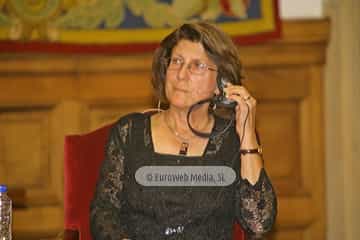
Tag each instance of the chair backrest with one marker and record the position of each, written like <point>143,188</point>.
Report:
<point>83,156</point>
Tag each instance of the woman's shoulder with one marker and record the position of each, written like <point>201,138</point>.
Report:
<point>124,127</point>
<point>130,122</point>
<point>130,118</point>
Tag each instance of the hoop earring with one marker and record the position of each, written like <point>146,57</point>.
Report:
<point>159,106</point>
<point>158,109</point>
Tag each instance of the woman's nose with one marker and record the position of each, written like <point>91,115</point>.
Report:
<point>183,72</point>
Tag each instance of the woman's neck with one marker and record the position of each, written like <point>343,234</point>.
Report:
<point>177,120</point>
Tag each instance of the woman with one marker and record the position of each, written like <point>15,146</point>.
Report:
<point>186,67</point>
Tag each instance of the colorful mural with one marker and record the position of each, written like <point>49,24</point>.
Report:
<point>121,24</point>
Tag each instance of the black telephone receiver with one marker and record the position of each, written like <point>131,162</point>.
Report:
<point>221,100</point>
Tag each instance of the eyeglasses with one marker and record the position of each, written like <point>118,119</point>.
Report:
<point>195,67</point>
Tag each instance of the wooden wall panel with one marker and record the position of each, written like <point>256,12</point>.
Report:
<point>278,124</point>
<point>102,115</point>
<point>45,97</point>
<point>24,140</point>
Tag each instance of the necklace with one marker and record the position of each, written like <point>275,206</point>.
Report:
<point>185,142</point>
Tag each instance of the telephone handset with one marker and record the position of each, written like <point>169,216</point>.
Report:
<point>221,100</point>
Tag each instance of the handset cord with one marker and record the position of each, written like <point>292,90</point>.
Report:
<point>213,134</point>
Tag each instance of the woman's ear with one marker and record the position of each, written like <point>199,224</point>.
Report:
<point>217,90</point>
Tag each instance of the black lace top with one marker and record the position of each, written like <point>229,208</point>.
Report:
<point>124,209</point>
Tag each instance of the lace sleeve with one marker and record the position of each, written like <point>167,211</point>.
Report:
<point>256,205</point>
<point>108,212</point>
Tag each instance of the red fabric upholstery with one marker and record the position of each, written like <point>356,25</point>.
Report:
<point>83,156</point>
<point>239,234</point>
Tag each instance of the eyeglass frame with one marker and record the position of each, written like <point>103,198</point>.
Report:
<point>207,67</point>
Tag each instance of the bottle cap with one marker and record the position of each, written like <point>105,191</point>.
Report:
<point>3,188</point>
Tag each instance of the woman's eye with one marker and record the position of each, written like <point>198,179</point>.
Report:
<point>176,61</point>
<point>200,65</point>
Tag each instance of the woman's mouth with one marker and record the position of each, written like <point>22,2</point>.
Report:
<point>181,90</point>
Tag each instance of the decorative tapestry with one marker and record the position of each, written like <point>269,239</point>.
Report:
<point>118,26</point>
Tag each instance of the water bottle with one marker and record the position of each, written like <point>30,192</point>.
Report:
<point>5,214</point>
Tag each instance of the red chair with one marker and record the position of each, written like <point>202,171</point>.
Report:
<point>83,156</point>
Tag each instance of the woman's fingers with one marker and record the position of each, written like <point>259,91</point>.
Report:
<point>237,90</point>
<point>240,94</point>
<point>245,109</point>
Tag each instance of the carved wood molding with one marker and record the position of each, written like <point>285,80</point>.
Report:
<point>298,36</point>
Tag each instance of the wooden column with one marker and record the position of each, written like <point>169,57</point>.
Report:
<point>342,120</point>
